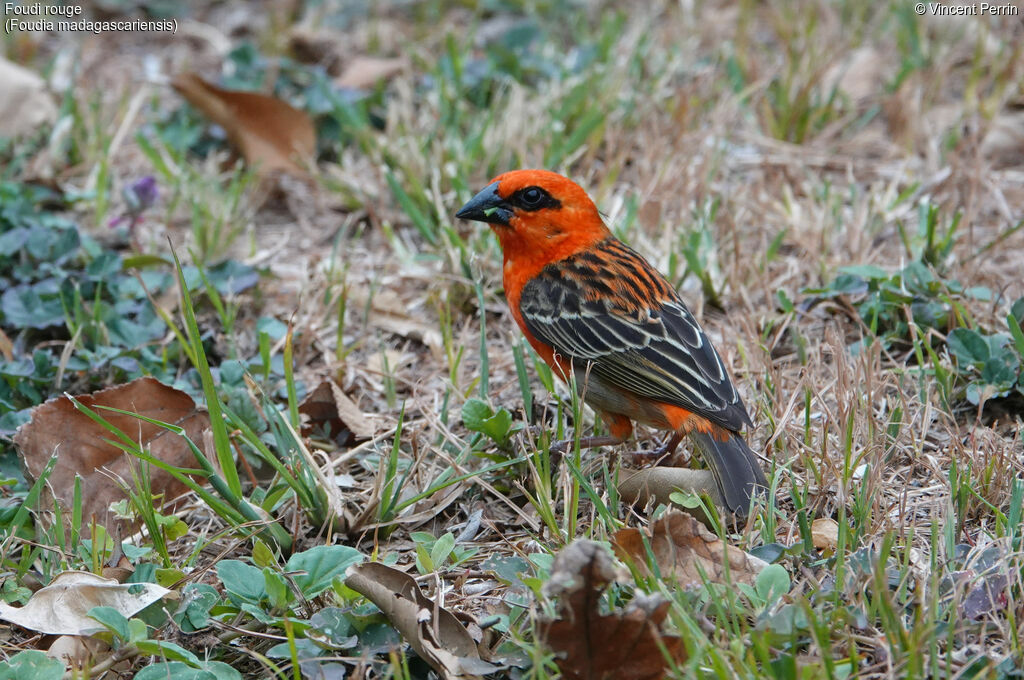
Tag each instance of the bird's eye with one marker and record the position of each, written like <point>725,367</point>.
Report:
<point>532,196</point>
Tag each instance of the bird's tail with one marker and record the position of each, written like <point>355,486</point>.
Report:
<point>735,468</point>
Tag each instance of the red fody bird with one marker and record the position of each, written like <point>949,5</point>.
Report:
<point>594,308</point>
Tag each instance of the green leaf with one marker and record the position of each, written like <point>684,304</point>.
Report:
<point>475,413</point>
<point>175,670</point>
<point>242,581</point>
<point>168,650</point>
<point>31,307</point>
<point>1017,309</point>
<point>477,416</point>
<point>789,619</point>
<point>499,426</point>
<point>168,577</point>
<point>174,528</point>
<point>232,277</point>
<point>442,549</point>
<point>785,304</point>
<point>968,346</point>
<point>222,671</point>
<point>322,564</point>
<point>334,628</point>
<point>305,648</point>
<point>112,620</point>
<point>772,583</point>
<point>142,261</point>
<point>1017,333</point>
<point>278,592</point>
<point>194,611</point>
<point>506,567</point>
<point>31,665</point>
<point>865,271</point>
<point>258,613</point>
<point>137,630</point>
<point>424,564</point>
<point>262,555</point>
<point>1000,371</point>
<point>770,552</point>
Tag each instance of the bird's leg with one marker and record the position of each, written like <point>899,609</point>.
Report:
<point>564,445</point>
<point>619,427</point>
<point>561,447</point>
<point>663,455</point>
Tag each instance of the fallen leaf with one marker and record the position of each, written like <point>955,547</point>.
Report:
<point>1004,142</point>
<point>329,409</point>
<point>684,549</point>
<point>364,72</point>
<point>388,361</point>
<point>77,651</point>
<point>659,483</point>
<point>270,134</point>
<point>991,595</point>
<point>860,74</point>
<point>6,346</point>
<point>825,534</point>
<point>25,104</point>
<point>432,631</point>
<point>59,429</point>
<point>594,646</point>
<point>62,608</point>
<point>390,313</point>
<point>315,47</point>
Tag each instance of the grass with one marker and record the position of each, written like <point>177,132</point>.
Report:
<point>846,240</point>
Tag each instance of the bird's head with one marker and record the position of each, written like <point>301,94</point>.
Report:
<point>537,212</point>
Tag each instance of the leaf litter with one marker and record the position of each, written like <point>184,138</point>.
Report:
<point>589,645</point>
<point>63,606</point>
<point>685,551</point>
<point>271,134</point>
<point>431,630</point>
<point>85,449</point>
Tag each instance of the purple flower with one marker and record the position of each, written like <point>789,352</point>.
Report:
<point>138,196</point>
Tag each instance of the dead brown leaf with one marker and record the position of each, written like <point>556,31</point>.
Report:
<point>364,72</point>
<point>825,534</point>
<point>390,313</point>
<point>432,631</point>
<point>58,428</point>
<point>658,483</point>
<point>1004,142</point>
<point>25,104</point>
<point>270,134</point>
<point>684,549</point>
<point>315,47</point>
<point>595,646</point>
<point>860,74</point>
<point>62,608</point>
<point>77,651</point>
<point>6,346</point>
<point>329,409</point>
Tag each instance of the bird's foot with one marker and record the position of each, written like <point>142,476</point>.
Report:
<point>565,445</point>
<point>657,456</point>
<point>665,454</point>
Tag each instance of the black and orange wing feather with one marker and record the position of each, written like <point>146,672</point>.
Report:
<point>607,306</point>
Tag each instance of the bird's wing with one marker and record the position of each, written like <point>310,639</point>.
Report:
<point>613,310</point>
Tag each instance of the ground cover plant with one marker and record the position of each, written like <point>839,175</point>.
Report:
<point>297,434</point>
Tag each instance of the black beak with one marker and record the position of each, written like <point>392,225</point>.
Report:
<point>487,206</point>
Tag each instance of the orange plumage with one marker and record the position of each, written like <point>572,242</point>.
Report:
<point>591,306</point>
